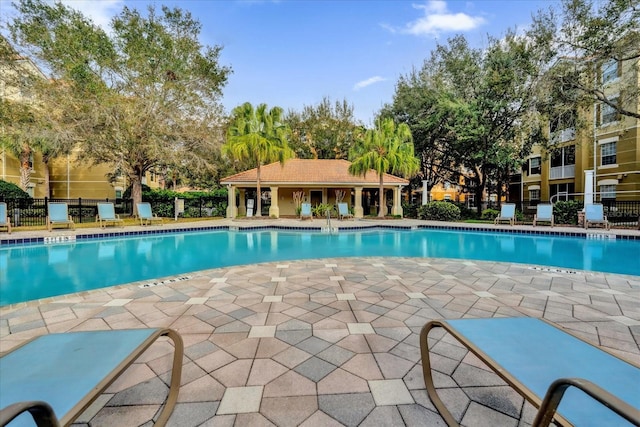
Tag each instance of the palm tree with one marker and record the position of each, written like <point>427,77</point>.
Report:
<point>258,136</point>
<point>386,149</point>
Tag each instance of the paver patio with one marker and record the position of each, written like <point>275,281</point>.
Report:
<point>330,341</point>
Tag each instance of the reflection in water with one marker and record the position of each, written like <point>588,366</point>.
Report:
<point>107,250</point>
<point>58,254</point>
<point>99,263</point>
<point>144,247</point>
<point>507,244</point>
<point>544,246</point>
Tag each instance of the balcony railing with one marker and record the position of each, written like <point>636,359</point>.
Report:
<point>558,172</point>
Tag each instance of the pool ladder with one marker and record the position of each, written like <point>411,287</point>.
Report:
<point>328,228</point>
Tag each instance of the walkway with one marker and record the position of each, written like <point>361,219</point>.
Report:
<point>329,341</point>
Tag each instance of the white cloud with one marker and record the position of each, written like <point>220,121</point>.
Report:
<point>437,18</point>
<point>100,11</point>
<point>368,82</point>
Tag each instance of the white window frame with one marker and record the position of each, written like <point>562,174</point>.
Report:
<point>539,159</point>
<point>610,71</point>
<point>607,189</point>
<point>534,193</point>
<point>610,111</point>
<point>604,144</point>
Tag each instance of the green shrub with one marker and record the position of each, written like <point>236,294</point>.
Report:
<point>489,214</point>
<point>321,210</point>
<point>466,212</point>
<point>566,211</point>
<point>9,190</point>
<point>439,211</point>
<point>410,210</point>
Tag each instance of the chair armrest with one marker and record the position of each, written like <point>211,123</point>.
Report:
<point>556,390</point>
<point>40,411</point>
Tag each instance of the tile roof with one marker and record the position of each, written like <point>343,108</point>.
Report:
<point>310,171</point>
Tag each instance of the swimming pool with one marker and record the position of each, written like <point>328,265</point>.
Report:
<point>29,272</point>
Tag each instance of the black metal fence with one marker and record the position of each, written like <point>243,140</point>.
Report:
<point>622,212</point>
<point>34,212</point>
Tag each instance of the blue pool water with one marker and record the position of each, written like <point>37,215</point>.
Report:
<point>36,271</point>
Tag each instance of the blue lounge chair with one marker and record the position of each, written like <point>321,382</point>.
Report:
<point>145,214</point>
<point>305,211</point>
<point>59,216</point>
<point>541,362</point>
<point>5,222</point>
<point>507,213</point>
<point>544,213</point>
<point>343,211</point>
<point>107,215</point>
<point>594,214</point>
<point>56,377</point>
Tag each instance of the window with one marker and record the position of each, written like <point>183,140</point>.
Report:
<point>563,127</point>
<point>608,153</point>
<point>564,156</point>
<point>608,114</point>
<point>608,191</point>
<point>563,191</point>
<point>534,166</point>
<point>610,71</point>
<point>534,194</point>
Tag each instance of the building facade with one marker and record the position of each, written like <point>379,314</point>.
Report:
<point>602,158</point>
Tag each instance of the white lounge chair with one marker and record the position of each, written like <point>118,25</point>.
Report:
<point>594,214</point>
<point>5,221</point>
<point>305,211</point>
<point>507,213</point>
<point>343,211</point>
<point>544,213</point>
<point>59,216</point>
<point>107,215</point>
<point>145,214</point>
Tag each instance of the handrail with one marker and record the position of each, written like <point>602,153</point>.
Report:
<point>553,198</point>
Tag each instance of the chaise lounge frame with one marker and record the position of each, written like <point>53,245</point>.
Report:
<point>546,402</point>
<point>47,408</point>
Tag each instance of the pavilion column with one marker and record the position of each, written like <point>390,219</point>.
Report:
<point>358,212</point>
<point>232,211</point>
<point>242,206</point>
<point>397,203</point>
<point>274,209</point>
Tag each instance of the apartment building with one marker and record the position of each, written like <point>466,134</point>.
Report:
<point>609,141</point>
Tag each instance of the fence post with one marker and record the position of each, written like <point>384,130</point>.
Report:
<point>80,206</point>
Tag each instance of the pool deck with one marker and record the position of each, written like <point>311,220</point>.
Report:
<point>329,342</point>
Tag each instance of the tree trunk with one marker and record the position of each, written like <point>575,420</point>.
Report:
<point>25,169</point>
<point>136,191</point>
<point>258,193</point>
<point>381,199</point>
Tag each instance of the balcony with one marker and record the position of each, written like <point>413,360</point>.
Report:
<point>563,135</point>
<point>559,172</point>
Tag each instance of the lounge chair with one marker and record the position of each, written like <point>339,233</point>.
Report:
<point>57,376</point>
<point>507,213</point>
<point>59,216</point>
<point>544,213</point>
<point>305,211</point>
<point>5,221</point>
<point>541,362</point>
<point>107,215</point>
<point>343,211</point>
<point>594,214</point>
<point>146,216</point>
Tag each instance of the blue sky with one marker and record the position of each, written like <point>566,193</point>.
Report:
<point>293,53</point>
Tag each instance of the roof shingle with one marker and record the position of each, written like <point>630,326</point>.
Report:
<point>310,171</point>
